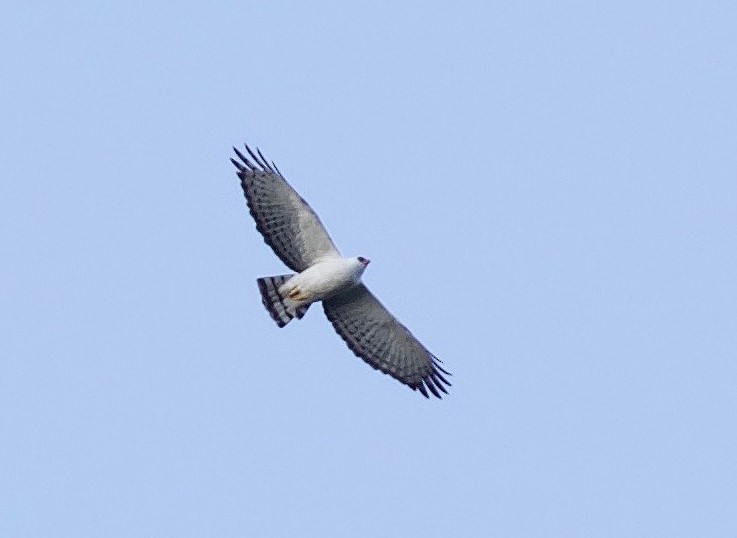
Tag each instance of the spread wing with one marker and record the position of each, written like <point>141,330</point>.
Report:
<point>376,336</point>
<point>289,225</point>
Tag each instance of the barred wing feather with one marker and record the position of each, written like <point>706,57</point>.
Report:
<point>289,225</point>
<point>376,336</point>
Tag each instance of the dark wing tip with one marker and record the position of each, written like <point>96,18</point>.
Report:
<point>434,381</point>
<point>248,164</point>
<point>238,165</point>
<point>264,161</point>
<point>261,162</point>
<point>421,388</point>
<point>259,158</point>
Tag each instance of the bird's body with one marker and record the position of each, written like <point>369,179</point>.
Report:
<point>323,280</point>
<point>321,273</point>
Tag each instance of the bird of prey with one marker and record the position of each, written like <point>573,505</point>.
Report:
<point>294,231</point>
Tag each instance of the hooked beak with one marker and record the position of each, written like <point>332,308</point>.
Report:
<point>366,261</point>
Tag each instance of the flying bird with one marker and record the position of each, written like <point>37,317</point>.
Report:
<point>294,231</point>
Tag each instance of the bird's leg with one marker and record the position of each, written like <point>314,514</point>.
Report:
<point>296,294</point>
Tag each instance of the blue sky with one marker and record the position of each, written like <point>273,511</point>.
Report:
<point>548,195</point>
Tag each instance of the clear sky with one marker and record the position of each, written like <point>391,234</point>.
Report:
<point>548,195</point>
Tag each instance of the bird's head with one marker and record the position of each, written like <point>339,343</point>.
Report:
<point>359,264</point>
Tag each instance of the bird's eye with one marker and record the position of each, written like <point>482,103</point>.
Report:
<point>362,259</point>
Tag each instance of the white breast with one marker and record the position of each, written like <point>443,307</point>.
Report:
<point>322,279</point>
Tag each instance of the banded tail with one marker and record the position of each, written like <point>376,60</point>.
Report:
<point>282,309</point>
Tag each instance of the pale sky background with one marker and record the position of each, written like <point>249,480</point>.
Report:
<point>548,194</point>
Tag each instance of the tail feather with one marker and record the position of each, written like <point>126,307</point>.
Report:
<point>282,309</point>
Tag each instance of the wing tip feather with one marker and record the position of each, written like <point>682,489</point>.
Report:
<point>434,379</point>
<point>256,162</point>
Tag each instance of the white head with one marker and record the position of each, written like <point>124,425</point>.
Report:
<point>359,265</point>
